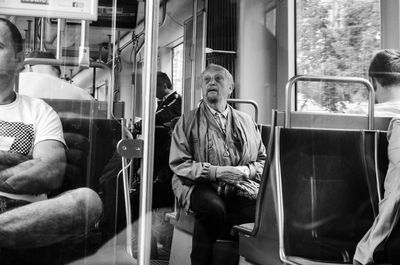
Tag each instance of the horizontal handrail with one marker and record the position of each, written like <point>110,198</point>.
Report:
<point>311,78</point>
<point>246,101</point>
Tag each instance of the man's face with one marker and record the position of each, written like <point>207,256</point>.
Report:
<point>215,86</point>
<point>8,59</point>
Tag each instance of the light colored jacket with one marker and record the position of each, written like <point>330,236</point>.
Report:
<point>198,145</point>
<point>389,207</point>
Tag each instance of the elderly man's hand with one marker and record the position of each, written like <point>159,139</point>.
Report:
<point>248,189</point>
<point>232,175</point>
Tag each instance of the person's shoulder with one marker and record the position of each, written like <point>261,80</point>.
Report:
<point>241,114</point>
<point>188,115</point>
<point>177,95</point>
<point>174,97</point>
<point>36,104</point>
<point>387,109</point>
<point>25,99</point>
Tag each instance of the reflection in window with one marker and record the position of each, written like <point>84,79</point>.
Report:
<point>335,38</point>
<point>177,68</point>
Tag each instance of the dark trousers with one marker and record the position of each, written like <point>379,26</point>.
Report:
<point>215,217</point>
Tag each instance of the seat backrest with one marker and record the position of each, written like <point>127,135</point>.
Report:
<point>324,192</point>
<point>382,159</point>
<point>92,161</point>
<point>91,144</point>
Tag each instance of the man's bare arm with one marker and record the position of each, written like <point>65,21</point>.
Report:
<point>41,174</point>
<point>9,159</point>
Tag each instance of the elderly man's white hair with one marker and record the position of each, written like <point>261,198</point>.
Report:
<point>217,67</point>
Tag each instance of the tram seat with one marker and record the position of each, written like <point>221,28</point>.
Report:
<point>326,193</point>
<point>258,241</point>
<point>92,162</point>
<point>225,251</point>
<point>383,160</point>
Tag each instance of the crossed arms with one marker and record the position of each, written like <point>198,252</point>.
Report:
<point>41,172</point>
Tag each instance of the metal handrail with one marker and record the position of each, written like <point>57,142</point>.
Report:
<point>74,63</point>
<point>295,79</point>
<point>246,101</point>
<point>149,84</point>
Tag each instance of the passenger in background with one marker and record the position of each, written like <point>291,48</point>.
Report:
<point>169,107</point>
<point>384,74</point>
<point>32,164</point>
<point>43,81</point>
<point>53,70</point>
<point>382,242</point>
<point>169,103</point>
<point>217,156</point>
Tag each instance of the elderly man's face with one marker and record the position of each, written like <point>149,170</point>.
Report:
<point>9,60</point>
<point>215,86</point>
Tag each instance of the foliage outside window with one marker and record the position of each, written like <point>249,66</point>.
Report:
<point>335,38</point>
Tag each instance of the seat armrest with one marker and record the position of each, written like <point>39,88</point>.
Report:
<point>246,229</point>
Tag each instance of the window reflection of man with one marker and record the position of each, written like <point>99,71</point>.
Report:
<point>32,163</point>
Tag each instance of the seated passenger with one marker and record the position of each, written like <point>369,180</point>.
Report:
<point>217,156</point>
<point>32,163</point>
<point>43,81</point>
<point>385,75</point>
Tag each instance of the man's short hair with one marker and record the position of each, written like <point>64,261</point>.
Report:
<point>163,78</point>
<point>217,67</point>
<point>15,34</point>
<point>385,67</point>
<point>46,55</point>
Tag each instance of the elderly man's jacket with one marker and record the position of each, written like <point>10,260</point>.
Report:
<point>199,145</point>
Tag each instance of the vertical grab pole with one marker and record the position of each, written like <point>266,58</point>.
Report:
<point>42,33</point>
<point>193,55</point>
<point>60,24</point>
<point>127,199</point>
<point>149,81</point>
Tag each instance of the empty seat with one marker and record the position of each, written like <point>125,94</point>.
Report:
<point>325,193</point>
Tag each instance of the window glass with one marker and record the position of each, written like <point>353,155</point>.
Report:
<point>335,38</point>
<point>177,68</point>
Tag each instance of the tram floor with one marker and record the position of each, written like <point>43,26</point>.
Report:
<point>161,238</point>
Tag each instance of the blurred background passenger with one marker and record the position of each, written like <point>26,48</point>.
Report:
<point>381,243</point>
<point>43,81</point>
<point>384,73</point>
<point>53,70</point>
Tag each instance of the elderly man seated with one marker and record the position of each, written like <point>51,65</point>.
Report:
<point>217,156</point>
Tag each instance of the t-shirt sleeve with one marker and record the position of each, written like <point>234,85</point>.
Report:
<point>48,126</point>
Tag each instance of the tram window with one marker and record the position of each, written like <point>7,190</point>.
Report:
<point>177,68</point>
<point>335,38</point>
